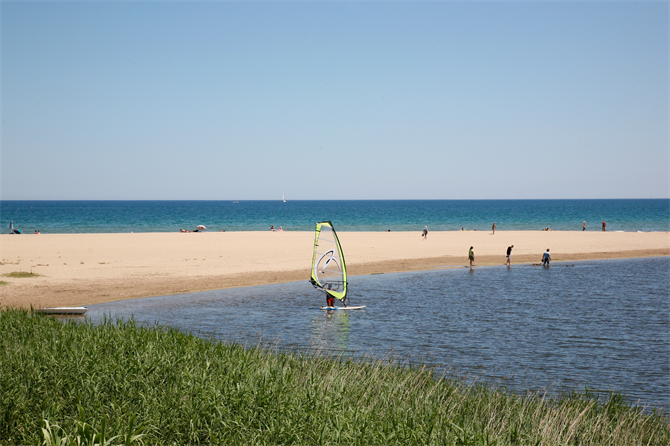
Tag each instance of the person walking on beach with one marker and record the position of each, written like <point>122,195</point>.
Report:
<point>546,258</point>
<point>509,253</point>
<point>471,256</point>
<point>493,228</point>
<point>604,226</point>
<point>424,234</point>
<point>583,226</point>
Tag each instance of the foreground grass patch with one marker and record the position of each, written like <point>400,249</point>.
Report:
<point>155,385</point>
<point>19,274</point>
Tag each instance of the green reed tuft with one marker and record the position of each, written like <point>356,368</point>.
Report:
<point>117,382</point>
<point>21,274</point>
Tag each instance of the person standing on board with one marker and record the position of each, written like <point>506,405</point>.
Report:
<point>604,226</point>
<point>583,226</point>
<point>330,300</point>
<point>509,253</point>
<point>493,228</point>
<point>546,258</point>
<point>471,256</point>
<point>424,234</point>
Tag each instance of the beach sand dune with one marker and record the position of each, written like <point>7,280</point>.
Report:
<point>80,269</point>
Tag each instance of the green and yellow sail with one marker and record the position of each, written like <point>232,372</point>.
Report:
<point>329,273</point>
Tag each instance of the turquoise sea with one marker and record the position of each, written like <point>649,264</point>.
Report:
<point>346,215</point>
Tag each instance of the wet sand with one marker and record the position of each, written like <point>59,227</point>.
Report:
<point>80,269</point>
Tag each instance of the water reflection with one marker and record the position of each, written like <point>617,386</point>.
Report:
<point>330,331</point>
<point>604,324</point>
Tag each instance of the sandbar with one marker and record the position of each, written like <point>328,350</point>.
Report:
<point>82,269</point>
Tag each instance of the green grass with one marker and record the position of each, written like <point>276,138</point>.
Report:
<point>21,274</point>
<point>3,282</point>
<point>121,383</point>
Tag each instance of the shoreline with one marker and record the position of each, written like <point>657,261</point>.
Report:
<point>83,269</point>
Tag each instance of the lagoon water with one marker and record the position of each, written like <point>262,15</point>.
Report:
<point>347,215</point>
<point>601,325</point>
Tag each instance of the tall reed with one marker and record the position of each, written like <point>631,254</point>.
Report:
<point>121,383</point>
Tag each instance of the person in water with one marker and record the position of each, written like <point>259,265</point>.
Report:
<point>471,256</point>
<point>546,258</point>
<point>509,254</point>
<point>330,300</point>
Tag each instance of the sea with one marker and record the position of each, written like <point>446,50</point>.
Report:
<point>628,215</point>
<point>601,326</point>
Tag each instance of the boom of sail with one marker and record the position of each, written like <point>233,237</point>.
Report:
<point>329,273</point>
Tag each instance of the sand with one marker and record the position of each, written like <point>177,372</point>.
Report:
<point>81,269</point>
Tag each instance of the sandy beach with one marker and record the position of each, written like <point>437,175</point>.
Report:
<point>80,269</point>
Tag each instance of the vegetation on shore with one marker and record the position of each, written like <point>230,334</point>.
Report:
<point>20,274</point>
<point>68,382</point>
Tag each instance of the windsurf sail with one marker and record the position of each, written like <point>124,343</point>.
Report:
<point>329,273</point>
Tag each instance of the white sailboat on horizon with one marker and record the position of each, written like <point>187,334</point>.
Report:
<point>282,198</point>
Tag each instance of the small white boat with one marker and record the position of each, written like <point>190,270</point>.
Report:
<point>62,310</point>
<point>282,198</point>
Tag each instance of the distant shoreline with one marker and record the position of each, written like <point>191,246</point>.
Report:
<point>107,217</point>
<point>80,269</point>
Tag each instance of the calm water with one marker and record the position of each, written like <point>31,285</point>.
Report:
<point>350,215</point>
<point>604,325</point>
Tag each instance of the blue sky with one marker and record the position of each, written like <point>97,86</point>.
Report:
<point>334,100</point>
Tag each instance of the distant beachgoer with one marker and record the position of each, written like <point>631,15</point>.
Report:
<point>583,226</point>
<point>424,234</point>
<point>605,226</point>
<point>281,229</point>
<point>493,228</point>
<point>546,258</point>
<point>37,232</point>
<point>509,253</point>
<point>272,228</point>
<point>462,229</point>
<point>471,256</point>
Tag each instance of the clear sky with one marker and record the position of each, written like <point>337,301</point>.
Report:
<point>334,100</point>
